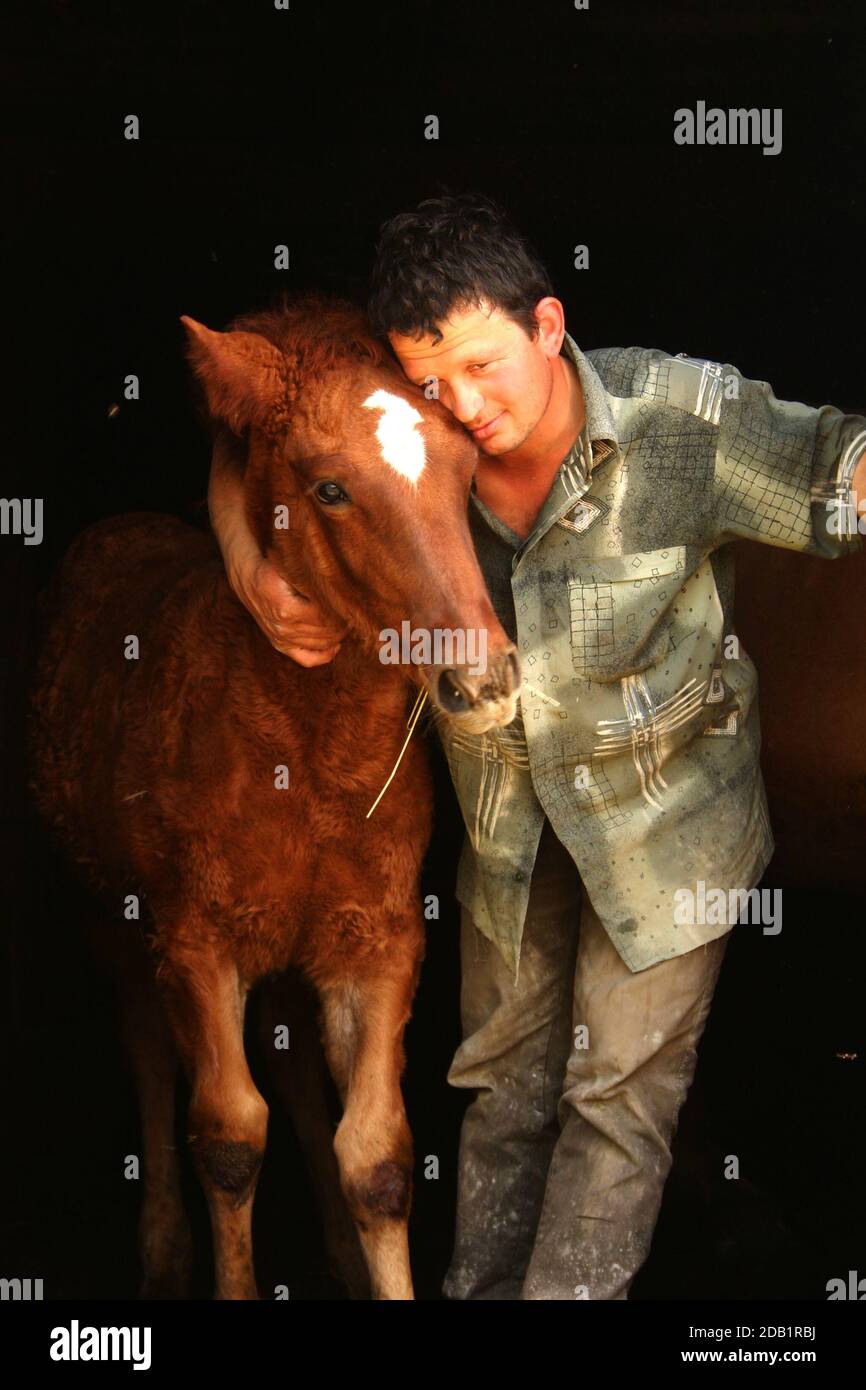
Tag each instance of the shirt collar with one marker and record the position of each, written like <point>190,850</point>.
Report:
<point>599,427</point>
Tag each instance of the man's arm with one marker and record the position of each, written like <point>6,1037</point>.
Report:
<point>292,623</point>
<point>786,473</point>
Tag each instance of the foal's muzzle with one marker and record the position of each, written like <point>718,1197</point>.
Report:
<point>479,702</point>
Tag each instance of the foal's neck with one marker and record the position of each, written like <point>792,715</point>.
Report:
<point>354,679</point>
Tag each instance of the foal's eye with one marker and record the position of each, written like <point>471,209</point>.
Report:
<point>330,493</point>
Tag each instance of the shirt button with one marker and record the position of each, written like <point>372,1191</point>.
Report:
<point>520,876</point>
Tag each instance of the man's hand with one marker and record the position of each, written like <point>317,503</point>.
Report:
<point>292,623</point>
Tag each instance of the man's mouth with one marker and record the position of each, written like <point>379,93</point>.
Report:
<point>484,430</point>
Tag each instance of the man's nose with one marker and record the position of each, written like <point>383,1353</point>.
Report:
<point>465,402</point>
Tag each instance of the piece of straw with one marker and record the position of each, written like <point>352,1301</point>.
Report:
<point>410,724</point>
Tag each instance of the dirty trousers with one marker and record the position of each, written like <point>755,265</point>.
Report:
<point>565,1149</point>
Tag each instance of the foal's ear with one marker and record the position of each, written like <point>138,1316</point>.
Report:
<point>244,375</point>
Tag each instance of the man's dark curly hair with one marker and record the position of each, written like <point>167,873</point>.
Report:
<point>450,254</point>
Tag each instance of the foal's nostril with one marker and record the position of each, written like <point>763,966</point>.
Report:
<point>514,670</point>
<point>450,693</point>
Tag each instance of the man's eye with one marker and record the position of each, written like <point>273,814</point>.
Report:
<point>479,366</point>
<point>330,493</point>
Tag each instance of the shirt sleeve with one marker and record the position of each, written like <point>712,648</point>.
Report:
<point>783,470</point>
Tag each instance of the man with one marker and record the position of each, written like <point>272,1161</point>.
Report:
<point>626,796</point>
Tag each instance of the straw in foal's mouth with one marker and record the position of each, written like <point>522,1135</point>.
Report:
<point>410,725</point>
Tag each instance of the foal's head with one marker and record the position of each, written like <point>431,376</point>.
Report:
<point>357,487</point>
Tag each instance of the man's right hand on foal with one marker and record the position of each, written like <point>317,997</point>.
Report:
<point>292,623</point>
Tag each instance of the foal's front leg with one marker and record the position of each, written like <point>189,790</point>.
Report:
<point>301,1080</point>
<point>364,1021</point>
<point>165,1239</point>
<point>227,1115</point>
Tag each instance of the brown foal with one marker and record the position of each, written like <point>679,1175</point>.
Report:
<point>190,768</point>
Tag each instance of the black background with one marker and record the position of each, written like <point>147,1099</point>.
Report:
<point>307,128</point>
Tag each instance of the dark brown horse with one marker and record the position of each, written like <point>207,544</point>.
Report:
<point>193,770</point>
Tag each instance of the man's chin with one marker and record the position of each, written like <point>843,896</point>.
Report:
<point>500,443</point>
<point>504,441</point>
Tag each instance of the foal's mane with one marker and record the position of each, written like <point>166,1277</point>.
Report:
<point>316,334</point>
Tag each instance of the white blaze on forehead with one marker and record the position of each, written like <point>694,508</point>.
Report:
<point>401,444</point>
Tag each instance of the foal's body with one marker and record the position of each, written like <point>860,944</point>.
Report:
<point>242,879</point>
<point>229,789</point>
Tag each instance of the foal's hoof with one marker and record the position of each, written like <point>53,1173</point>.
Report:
<point>168,1280</point>
<point>167,1272</point>
<point>163,1287</point>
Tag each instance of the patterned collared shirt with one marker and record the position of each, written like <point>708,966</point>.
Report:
<point>637,730</point>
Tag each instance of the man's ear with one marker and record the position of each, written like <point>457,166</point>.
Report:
<point>550,319</point>
<point>244,376</point>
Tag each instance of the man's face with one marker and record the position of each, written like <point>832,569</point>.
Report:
<point>494,378</point>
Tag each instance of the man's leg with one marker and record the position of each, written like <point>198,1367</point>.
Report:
<point>619,1110</point>
<point>516,1041</point>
